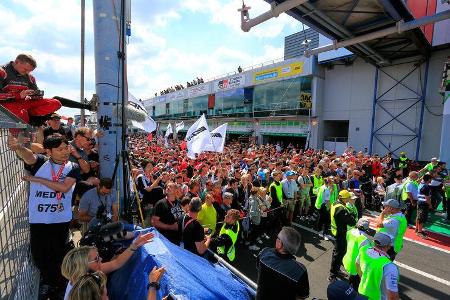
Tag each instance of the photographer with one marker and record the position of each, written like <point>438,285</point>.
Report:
<point>17,87</point>
<point>97,206</point>
<point>20,95</point>
<point>82,260</point>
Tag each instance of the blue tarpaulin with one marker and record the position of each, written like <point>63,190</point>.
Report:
<point>188,276</point>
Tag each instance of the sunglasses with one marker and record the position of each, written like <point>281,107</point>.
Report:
<point>96,259</point>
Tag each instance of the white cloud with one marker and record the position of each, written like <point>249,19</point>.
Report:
<point>226,13</point>
<point>50,29</point>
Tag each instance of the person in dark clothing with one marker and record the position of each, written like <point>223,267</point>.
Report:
<point>167,213</point>
<point>193,236</point>
<point>232,187</point>
<point>341,217</point>
<point>55,126</point>
<point>194,188</point>
<point>148,186</point>
<point>280,275</point>
<point>224,207</point>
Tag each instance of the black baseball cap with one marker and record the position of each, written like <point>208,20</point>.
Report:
<point>341,290</point>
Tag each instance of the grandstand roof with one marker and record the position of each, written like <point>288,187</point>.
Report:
<point>344,19</point>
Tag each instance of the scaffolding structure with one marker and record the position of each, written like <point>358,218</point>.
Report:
<point>408,134</point>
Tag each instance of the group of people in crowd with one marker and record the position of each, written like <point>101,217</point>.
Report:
<point>209,205</point>
<point>179,87</point>
<point>246,195</point>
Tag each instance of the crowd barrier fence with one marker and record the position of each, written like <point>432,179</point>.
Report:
<point>19,278</point>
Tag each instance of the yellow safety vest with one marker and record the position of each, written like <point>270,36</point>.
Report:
<point>233,235</point>
<point>333,221</point>
<point>278,189</point>
<point>317,183</point>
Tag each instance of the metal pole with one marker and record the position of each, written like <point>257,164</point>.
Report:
<point>235,271</point>
<point>422,108</point>
<point>83,23</point>
<point>109,84</point>
<point>398,28</point>
<point>274,12</point>
<point>374,106</point>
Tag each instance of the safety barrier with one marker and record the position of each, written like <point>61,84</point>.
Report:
<point>19,278</point>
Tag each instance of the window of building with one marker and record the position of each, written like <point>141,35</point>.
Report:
<point>288,96</point>
<point>232,103</point>
<point>198,105</point>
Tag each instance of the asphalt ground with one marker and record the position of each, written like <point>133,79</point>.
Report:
<point>424,271</point>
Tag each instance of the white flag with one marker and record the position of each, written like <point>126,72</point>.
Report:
<point>169,130</point>
<point>218,137</point>
<point>149,124</point>
<point>179,126</point>
<point>198,137</point>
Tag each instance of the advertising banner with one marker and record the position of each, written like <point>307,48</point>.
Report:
<point>198,90</point>
<point>181,94</point>
<point>280,72</point>
<point>229,83</point>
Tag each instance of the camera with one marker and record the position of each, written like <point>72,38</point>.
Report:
<point>37,94</point>
<point>106,238</point>
<point>102,215</point>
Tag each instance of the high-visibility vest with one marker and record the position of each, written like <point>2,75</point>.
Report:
<point>233,235</point>
<point>405,184</point>
<point>352,209</point>
<point>335,194</point>
<point>333,221</point>
<point>278,189</point>
<point>319,199</point>
<point>403,162</point>
<point>354,240</point>
<point>372,274</point>
<point>430,166</point>
<point>398,239</point>
<point>317,183</point>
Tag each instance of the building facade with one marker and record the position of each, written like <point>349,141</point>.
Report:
<point>333,103</point>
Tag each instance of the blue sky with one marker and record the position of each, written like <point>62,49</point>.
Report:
<point>172,42</point>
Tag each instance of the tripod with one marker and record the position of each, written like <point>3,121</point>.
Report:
<point>128,213</point>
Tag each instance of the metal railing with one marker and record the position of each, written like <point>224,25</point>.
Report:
<point>244,69</point>
<point>19,278</point>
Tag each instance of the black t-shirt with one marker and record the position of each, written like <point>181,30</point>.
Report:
<point>64,131</point>
<point>151,197</point>
<point>280,276</point>
<point>169,213</point>
<point>192,232</point>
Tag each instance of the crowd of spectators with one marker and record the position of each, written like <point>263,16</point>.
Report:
<point>179,87</point>
<point>206,205</point>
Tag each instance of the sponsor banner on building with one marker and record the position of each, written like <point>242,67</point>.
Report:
<point>198,90</point>
<point>178,95</point>
<point>279,72</point>
<point>305,100</point>
<point>229,83</point>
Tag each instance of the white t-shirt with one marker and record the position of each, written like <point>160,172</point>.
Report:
<point>389,281</point>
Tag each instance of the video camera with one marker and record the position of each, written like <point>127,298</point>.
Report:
<point>37,94</point>
<point>102,215</point>
<point>104,237</point>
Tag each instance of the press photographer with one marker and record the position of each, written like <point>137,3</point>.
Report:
<point>97,206</point>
